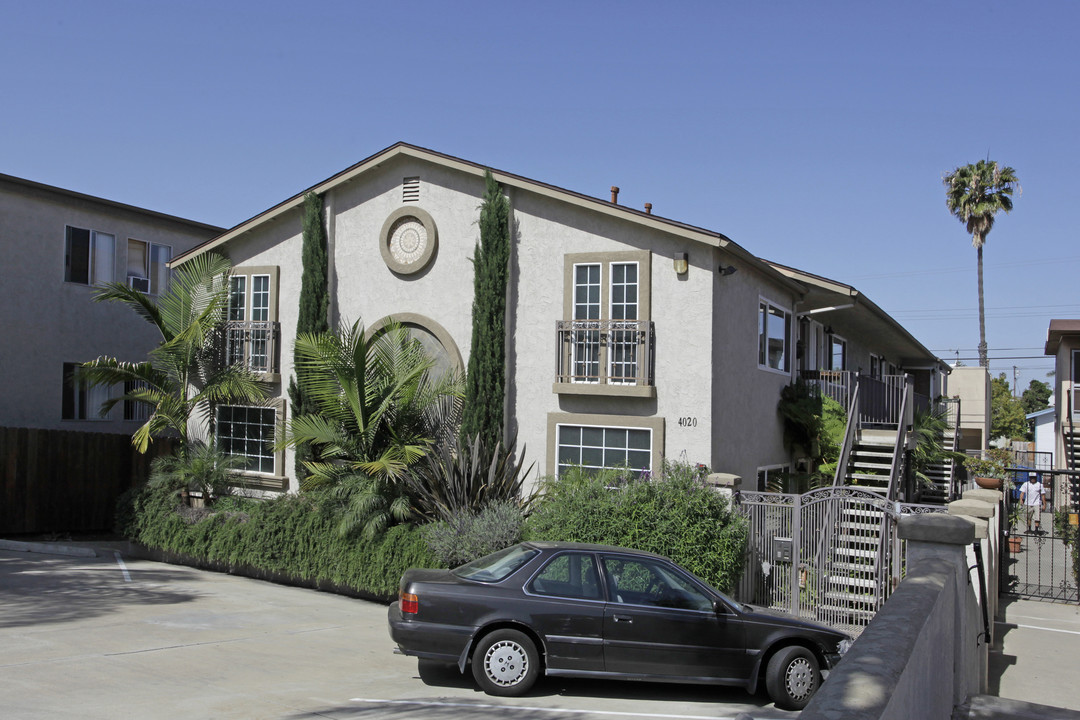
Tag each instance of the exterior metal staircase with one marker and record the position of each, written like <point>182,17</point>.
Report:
<point>871,460</point>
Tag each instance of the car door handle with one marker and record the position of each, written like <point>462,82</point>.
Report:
<point>623,618</point>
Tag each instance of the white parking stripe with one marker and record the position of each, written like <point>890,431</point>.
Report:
<point>504,708</point>
<point>123,567</point>
<point>1036,627</point>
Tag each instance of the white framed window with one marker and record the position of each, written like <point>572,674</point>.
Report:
<point>607,304</point>
<point>837,353</point>
<point>89,256</point>
<point>80,399</point>
<point>146,266</point>
<point>774,336</point>
<point>586,347</point>
<point>248,432</point>
<point>623,353</point>
<point>250,313</point>
<point>597,447</point>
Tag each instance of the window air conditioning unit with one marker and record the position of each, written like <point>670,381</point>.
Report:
<point>139,283</point>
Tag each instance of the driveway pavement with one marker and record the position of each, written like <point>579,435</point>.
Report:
<point>114,637</point>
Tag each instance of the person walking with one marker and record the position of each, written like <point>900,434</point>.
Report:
<point>1033,495</point>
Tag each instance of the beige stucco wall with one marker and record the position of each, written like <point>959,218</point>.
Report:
<point>972,386</point>
<point>1063,394</point>
<point>706,326</point>
<point>46,321</point>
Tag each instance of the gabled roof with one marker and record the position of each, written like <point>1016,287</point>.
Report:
<point>825,296</point>
<point>1057,330</point>
<point>707,237</point>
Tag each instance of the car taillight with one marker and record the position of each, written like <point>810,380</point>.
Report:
<point>409,603</point>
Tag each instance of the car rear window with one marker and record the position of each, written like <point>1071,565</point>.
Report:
<point>497,566</point>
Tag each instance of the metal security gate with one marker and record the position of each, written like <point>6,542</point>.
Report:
<point>1039,548</point>
<point>830,555</point>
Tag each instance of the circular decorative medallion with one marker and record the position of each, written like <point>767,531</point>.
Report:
<point>408,240</point>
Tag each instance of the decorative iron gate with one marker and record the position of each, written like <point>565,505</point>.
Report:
<point>831,555</point>
<point>1039,550</point>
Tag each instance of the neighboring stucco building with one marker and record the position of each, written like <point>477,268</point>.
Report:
<point>631,337</point>
<point>1063,343</point>
<point>972,386</point>
<point>56,247</point>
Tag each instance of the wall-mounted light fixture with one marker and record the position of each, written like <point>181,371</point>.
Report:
<point>682,265</point>
<point>725,271</point>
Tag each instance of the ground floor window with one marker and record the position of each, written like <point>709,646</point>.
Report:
<point>248,432</point>
<point>774,478</point>
<point>596,448</point>
<point>81,400</point>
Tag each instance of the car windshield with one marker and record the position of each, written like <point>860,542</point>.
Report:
<point>497,566</point>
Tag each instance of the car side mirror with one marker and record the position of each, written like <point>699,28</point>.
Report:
<point>719,608</point>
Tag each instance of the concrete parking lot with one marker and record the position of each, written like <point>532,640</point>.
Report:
<point>113,637</point>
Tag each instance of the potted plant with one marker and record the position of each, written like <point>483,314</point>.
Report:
<point>988,472</point>
<point>1015,543</point>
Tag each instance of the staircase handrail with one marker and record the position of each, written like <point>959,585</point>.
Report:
<point>951,403</point>
<point>903,425</point>
<point>849,438</point>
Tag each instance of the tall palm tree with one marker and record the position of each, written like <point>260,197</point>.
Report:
<point>380,410</point>
<point>182,375</point>
<point>974,194</point>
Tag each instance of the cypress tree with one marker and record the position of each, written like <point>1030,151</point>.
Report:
<point>485,383</point>
<point>314,303</point>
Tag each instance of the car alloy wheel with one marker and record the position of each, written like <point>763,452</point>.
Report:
<point>792,677</point>
<point>505,663</point>
<point>799,678</point>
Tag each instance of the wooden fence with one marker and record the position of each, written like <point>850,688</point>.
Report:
<point>62,481</point>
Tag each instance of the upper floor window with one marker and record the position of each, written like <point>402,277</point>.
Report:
<point>606,338</point>
<point>774,336</point>
<point>89,256</point>
<point>146,266</point>
<point>837,353</point>
<point>877,366</point>
<point>252,330</point>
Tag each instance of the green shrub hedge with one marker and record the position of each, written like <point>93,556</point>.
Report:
<point>675,515</point>
<point>290,538</point>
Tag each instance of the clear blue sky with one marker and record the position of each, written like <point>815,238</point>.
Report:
<point>815,134</point>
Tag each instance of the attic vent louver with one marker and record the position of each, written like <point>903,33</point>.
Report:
<point>410,189</point>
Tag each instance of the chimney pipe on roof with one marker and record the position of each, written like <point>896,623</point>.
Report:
<point>614,194</point>
<point>648,208</point>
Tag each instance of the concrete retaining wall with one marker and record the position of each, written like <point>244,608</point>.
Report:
<point>923,653</point>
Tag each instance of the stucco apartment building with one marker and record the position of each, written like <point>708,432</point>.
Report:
<point>1063,344</point>
<point>56,247</point>
<point>631,337</point>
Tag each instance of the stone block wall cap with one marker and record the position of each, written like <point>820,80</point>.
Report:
<point>724,479</point>
<point>991,496</point>
<point>982,527</point>
<point>972,507</point>
<point>937,528</point>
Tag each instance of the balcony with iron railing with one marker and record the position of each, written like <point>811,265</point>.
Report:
<point>254,345</point>
<point>605,357</point>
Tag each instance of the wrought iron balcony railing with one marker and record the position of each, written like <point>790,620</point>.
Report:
<point>605,352</point>
<point>251,344</point>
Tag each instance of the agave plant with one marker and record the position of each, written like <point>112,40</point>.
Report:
<point>462,478</point>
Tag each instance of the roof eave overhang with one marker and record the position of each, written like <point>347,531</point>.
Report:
<point>656,222</point>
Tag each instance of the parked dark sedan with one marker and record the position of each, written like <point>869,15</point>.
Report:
<point>596,611</point>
